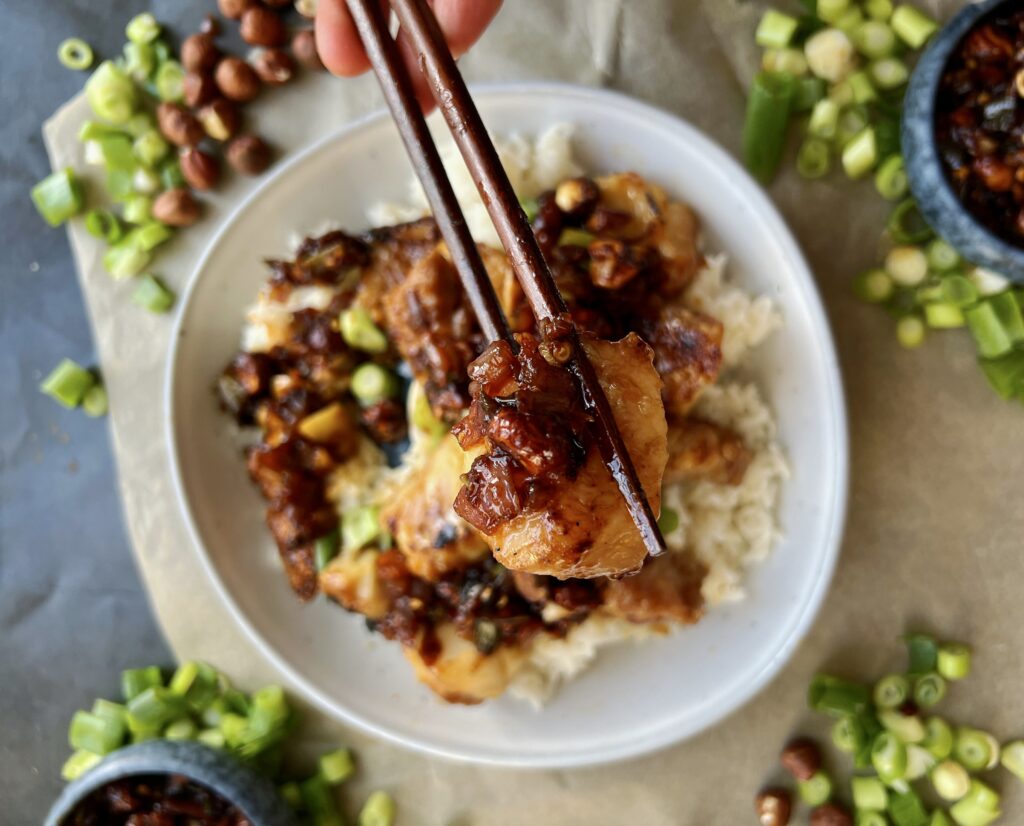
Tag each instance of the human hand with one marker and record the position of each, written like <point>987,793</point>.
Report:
<point>462,21</point>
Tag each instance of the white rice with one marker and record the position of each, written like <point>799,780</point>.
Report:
<point>728,527</point>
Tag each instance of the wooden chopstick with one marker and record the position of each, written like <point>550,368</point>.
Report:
<point>514,230</point>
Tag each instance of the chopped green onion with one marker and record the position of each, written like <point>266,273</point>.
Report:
<point>776,30</point>
<point>359,527</point>
<point>907,226</point>
<point>153,295</point>
<point>848,735</point>
<point>170,81</point>
<point>874,286</point>
<point>572,237</point>
<point>58,196</point>
<point>887,136</point>
<point>136,209</point>
<point>292,794</point>
<point>831,10</point>
<point>992,338</point>
<point>90,732</point>
<point>325,549</point>
<point>788,61</point>
<point>372,383</point>
<point>973,748</point>
<point>150,147</point>
<point>929,689</point>
<point>813,160</point>
<point>136,680</point>
<point>951,780</point>
<point>74,53</point>
<point>815,790</point>
<point>874,39</point>
<point>861,154</point>
<point>139,60</point>
<point>860,85</point>
<point>150,235</point>
<point>913,26</point>
<point>422,416</point>
<point>103,224</point>
<point>379,810</point>
<point>891,179</point>
<point>767,117</point>
<point>891,691</point>
<point>943,257</point>
<point>337,766</point>
<point>1006,374</point>
<point>824,121</point>
<point>888,73</point>
<point>359,331</point>
<point>943,316</point>
<point>1008,312</point>
<point>849,21</point>
<point>836,697</point>
<point>908,727</point>
<point>120,183</point>
<point>170,174</point>
<point>95,402</point>
<point>531,207</point>
<point>143,28</point>
<point>67,383</point>
<point>889,757</point>
<point>920,761</point>
<point>78,764</point>
<point>869,793</point>
<point>181,729</point>
<point>125,259</point>
<point>987,281</point>
<point>1012,758</point>
<point>938,738</point>
<point>852,121</point>
<point>878,9</point>
<point>154,707</point>
<point>669,520</point>
<point>906,809</point>
<point>319,802</point>
<point>907,265</point>
<point>979,807</point>
<point>111,93</point>
<point>922,653</point>
<point>110,711</point>
<point>869,817</point>
<point>807,93</point>
<point>211,737</point>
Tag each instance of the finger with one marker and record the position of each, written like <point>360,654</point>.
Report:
<point>463,21</point>
<point>338,41</point>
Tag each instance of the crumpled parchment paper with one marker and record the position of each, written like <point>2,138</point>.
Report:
<point>934,534</point>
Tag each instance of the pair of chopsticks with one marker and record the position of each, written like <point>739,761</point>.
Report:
<point>436,62</point>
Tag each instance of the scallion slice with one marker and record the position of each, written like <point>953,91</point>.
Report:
<point>907,265</point>
<point>878,9</point>
<point>150,147</point>
<point>906,809</point>
<point>573,237</point>
<point>861,154</point>
<point>831,10</point>
<point>68,383</point>
<point>154,707</point>
<point>874,286</point>
<point>767,118</point>
<point>972,748</point>
<point>372,383</point>
<point>776,30</point>
<point>991,337</point>
<point>789,61</point>
<point>906,224</point>
<point>908,727</point>
<point>337,766</point>
<point>837,697</point>
<point>891,691</point>
<point>888,73</point>
<point>824,121</point>
<point>891,178</point>
<point>181,729</point>
<point>1006,374</point>
<point>869,793</point>
<point>90,732</point>
<point>95,402</point>
<point>125,259</point>
<point>78,764</point>
<point>1008,312</point>
<point>848,734</point>
<point>862,87</point>
<point>170,81</point>
<point>103,224</point>
<point>74,53</point>
<point>668,521</point>
<point>378,810</point>
<point>816,790</point>
<point>814,159</point>
<point>943,316</point>
<point>942,257</point>
<point>913,26</point>
<point>58,196</point>
<point>920,762</point>
<point>874,39</point>
<point>929,689</point>
<point>136,680</point>
<point>807,93</point>
<point>979,807</point>
<point>359,527</point>
<point>1012,758</point>
<point>922,652</point>
<point>143,28</point>
<point>951,780</point>
<point>319,803</point>
<point>359,331</point>
<point>938,738</point>
<point>325,548</point>
<point>870,817</point>
<point>111,93</point>
<point>136,209</point>
<point>889,757</point>
<point>153,294</point>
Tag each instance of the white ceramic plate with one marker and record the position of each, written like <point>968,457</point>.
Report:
<point>636,697</point>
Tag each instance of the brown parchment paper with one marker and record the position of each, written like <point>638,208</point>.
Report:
<point>935,530</point>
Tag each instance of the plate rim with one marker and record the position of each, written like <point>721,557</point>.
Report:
<point>819,587</point>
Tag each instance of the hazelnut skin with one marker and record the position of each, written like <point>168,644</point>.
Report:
<point>176,208</point>
<point>198,90</point>
<point>233,9</point>
<point>237,80</point>
<point>200,169</point>
<point>178,125</point>
<point>304,49</point>
<point>263,27</point>
<point>199,53</point>
<point>274,66</point>
<point>774,807</point>
<point>210,26</point>
<point>830,815</point>
<point>248,154</point>
<point>801,758</point>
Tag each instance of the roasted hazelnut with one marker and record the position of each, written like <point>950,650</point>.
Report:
<point>178,125</point>
<point>176,208</point>
<point>263,27</point>
<point>198,90</point>
<point>237,80</point>
<point>248,154</point>
<point>220,119</point>
<point>210,26</point>
<point>307,8</point>
<point>274,66</point>
<point>831,814</point>
<point>773,807</point>
<point>577,197</point>
<point>234,9</point>
<point>304,49</point>
<point>801,758</point>
<point>200,169</point>
<point>199,53</point>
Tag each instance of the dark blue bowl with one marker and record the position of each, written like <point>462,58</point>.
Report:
<point>254,795</point>
<point>935,197</point>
